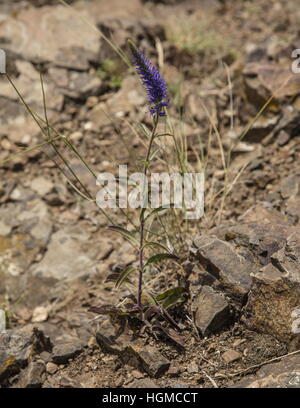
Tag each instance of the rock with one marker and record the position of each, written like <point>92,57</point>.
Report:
<point>142,383</point>
<point>51,368</point>
<point>4,229</point>
<point>282,374</point>
<point>2,321</point>
<point>293,207</point>
<point>21,194</point>
<point>290,186</point>
<point>259,241</point>
<point>28,84</point>
<point>61,353</point>
<point>151,360</point>
<point>16,124</point>
<point>67,382</point>
<point>262,79</point>
<point>15,349</point>
<point>192,368</point>
<point>226,264</point>
<point>261,128</point>
<point>110,341</point>
<point>231,355</point>
<point>41,185</point>
<point>263,212</point>
<point>122,102</point>
<point>35,374</point>
<point>66,257</point>
<point>211,311</point>
<point>282,138</point>
<point>71,43</point>
<point>274,296</point>
<point>132,351</point>
<point>40,314</point>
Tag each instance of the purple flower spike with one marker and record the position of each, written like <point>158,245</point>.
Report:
<point>152,80</point>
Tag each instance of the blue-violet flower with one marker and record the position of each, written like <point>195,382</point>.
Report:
<point>152,80</point>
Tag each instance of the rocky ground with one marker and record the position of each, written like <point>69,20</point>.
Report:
<point>240,263</point>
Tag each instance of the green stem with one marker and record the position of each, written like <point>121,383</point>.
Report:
<point>142,217</point>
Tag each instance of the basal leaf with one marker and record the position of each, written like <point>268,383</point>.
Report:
<point>161,257</point>
<point>171,292</point>
<point>124,275</point>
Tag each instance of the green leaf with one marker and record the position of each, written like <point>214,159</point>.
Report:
<point>124,275</point>
<point>171,292</point>
<point>160,257</point>
<point>144,130</point>
<point>153,154</point>
<point>171,301</point>
<point>156,244</point>
<point>127,234</point>
<point>157,210</point>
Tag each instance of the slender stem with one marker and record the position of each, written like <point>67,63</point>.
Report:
<point>142,217</point>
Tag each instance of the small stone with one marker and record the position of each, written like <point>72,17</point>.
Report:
<point>142,383</point>
<point>231,355</point>
<point>193,368</point>
<point>61,353</point>
<point>290,186</point>
<point>173,371</point>
<point>5,229</point>
<point>39,315</point>
<point>35,374</point>
<point>151,360</point>
<point>67,382</point>
<point>2,321</point>
<point>282,138</point>
<point>41,185</point>
<point>51,368</point>
<point>211,311</point>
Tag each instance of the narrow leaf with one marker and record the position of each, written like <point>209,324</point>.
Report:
<point>161,257</point>
<point>171,292</point>
<point>129,235</point>
<point>124,275</point>
<point>157,210</point>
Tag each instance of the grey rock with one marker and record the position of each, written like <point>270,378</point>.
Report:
<point>15,349</point>
<point>29,85</point>
<point>5,229</point>
<point>293,207</point>
<point>282,374</point>
<point>70,41</point>
<point>142,383</point>
<point>151,359</point>
<point>132,351</point>
<point>224,262</point>
<point>41,185</point>
<point>211,311</point>
<point>290,186</point>
<point>35,374</point>
<point>61,353</point>
<point>66,257</point>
